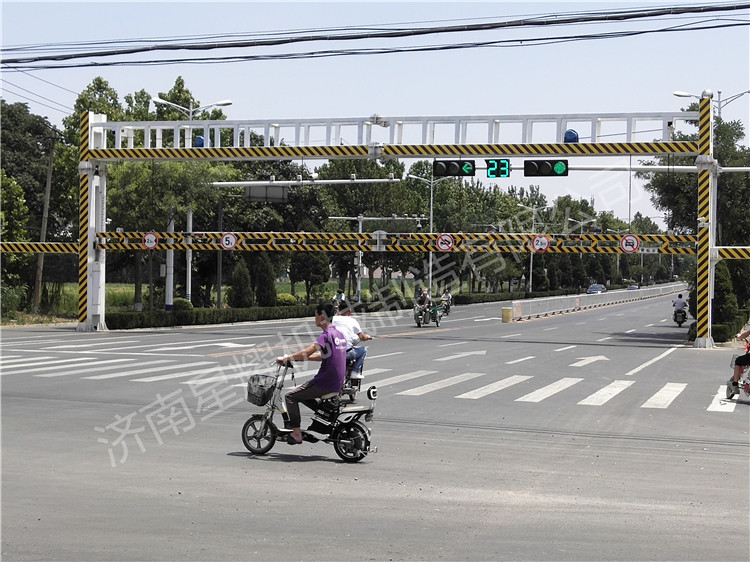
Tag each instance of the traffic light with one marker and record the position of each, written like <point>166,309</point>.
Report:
<point>545,168</point>
<point>453,168</point>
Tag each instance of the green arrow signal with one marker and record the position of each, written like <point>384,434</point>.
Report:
<point>467,168</point>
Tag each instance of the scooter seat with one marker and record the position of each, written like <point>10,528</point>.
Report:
<point>329,395</point>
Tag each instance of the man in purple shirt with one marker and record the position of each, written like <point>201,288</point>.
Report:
<point>330,349</point>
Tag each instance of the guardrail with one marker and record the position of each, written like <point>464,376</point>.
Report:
<point>534,308</point>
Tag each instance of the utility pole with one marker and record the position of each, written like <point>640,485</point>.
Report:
<point>43,234</point>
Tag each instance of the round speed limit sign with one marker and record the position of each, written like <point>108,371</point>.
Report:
<point>150,240</point>
<point>540,243</point>
<point>228,240</point>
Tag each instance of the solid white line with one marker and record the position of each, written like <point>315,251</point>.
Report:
<point>369,357</point>
<point>565,348</point>
<point>605,394</point>
<point>8,360</point>
<point>494,387</point>
<point>180,374</point>
<point>651,362</point>
<point>53,362</point>
<point>93,344</point>
<point>520,360</point>
<point>93,369</point>
<point>630,331</point>
<point>605,339</point>
<point>510,335</point>
<point>441,384</point>
<point>665,396</point>
<point>402,378</point>
<point>720,402</point>
<point>549,390</point>
<point>454,343</point>
<point>148,364</point>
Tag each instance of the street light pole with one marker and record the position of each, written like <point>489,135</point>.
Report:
<point>533,230</point>
<point>360,219</point>
<point>190,111</point>
<point>432,184</point>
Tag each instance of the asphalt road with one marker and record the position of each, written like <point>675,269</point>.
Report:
<point>596,435</point>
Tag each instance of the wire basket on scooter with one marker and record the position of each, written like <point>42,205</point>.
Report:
<point>260,389</point>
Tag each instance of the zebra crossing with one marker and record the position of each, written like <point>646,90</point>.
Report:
<point>411,384</point>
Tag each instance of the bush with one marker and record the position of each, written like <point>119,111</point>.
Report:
<point>182,304</point>
<point>12,299</point>
<point>286,299</point>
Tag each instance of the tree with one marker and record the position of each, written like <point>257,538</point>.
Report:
<point>240,293</point>
<point>725,308</point>
<point>310,267</point>
<point>14,218</point>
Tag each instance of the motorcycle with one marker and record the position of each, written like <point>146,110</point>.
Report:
<point>342,425</point>
<point>744,382</point>
<point>424,314</point>
<point>680,316</point>
<point>446,306</point>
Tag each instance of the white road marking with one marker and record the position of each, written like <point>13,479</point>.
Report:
<point>418,391</point>
<point>461,355</point>
<point>494,387</point>
<point>565,348</point>
<point>588,360</point>
<point>607,393</point>
<point>520,360</point>
<point>76,371</point>
<point>665,396</point>
<point>402,378</point>
<point>650,362</point>
<point>510,335</point>
<point>55,364</point>
<point>147,369</point>
<point>549,390</point>
<point>720,402</point>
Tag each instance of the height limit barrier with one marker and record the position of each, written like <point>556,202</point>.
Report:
<point>101,142</point>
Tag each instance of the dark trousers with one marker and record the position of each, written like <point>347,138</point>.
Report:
<point>305,394</point>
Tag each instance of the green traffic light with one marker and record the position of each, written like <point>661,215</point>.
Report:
<point>561,167</point>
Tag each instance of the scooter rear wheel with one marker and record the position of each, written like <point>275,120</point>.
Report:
<point>730,392</point>
<point>256,441</point>
<point>351,442</point>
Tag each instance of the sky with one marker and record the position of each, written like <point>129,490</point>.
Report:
<point>634,74</point>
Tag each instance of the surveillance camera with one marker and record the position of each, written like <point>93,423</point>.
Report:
<point>419,226</point>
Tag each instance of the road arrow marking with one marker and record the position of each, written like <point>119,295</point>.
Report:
<point>586,360</point>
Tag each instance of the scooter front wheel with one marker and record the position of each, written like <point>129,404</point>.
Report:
<point>351,443</point>
<point>256,440</point>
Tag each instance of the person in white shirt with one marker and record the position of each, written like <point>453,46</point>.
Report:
<point>354,334</point>
<point>679,304</point>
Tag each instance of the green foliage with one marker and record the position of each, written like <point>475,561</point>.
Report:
<point>240,293</point>
<point>264,282</point>
<point>286,299</point>
<point>11,299</point>
<point>724,301</point>
<point>181,304</point>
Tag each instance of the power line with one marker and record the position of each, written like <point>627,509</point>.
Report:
<point>32,62</point>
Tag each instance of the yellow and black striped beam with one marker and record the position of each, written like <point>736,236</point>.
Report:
<point>393,242</point>
<point>39,247</point>
<point>548,149</point>
<point>231,153</point>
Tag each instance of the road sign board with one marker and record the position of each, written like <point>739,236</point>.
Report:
<point>228,240</point>
<point>629,243</point>
<point>540,243</point>
<point>445,242</point>
<point>150,240</point>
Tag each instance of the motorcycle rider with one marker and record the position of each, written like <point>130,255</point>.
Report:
<point>330,349</point>
<point>354,334</point>
<point>679,304</point>
<point>740,362</point>
<point>447,299</point>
